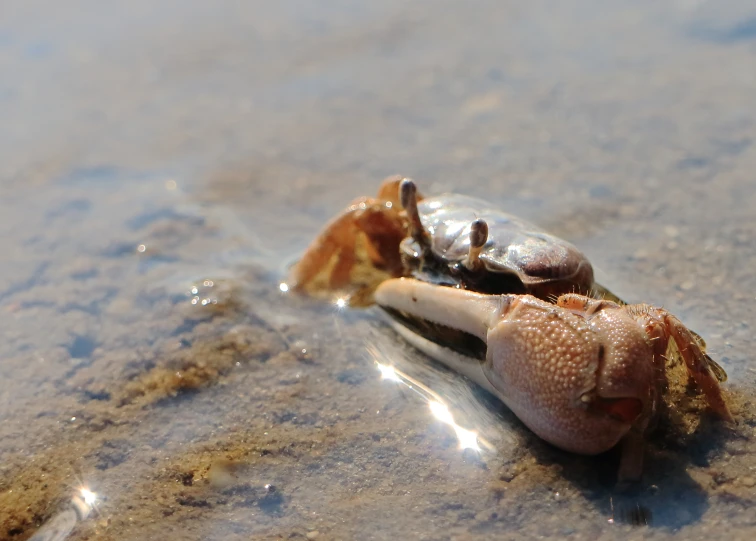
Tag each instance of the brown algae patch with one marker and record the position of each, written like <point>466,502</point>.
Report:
<point>200,364</point>
<point>105,432</point>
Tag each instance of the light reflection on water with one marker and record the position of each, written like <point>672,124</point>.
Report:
<point>62,524</point>
<point>448,397</point>
<point>468,439</point>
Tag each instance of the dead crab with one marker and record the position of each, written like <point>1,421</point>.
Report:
<point>450,239</point>
<point>582,374</point>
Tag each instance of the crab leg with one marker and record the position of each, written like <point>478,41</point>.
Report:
<point>631,457</point>
<point>375,222</point>
<point>698,364</point>
<point>338,238</point>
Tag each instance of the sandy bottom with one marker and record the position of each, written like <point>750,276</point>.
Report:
<point>162,165</point>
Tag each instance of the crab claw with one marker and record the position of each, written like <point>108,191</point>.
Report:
<point>546,363</point>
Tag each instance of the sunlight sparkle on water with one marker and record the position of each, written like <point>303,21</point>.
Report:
<point>467,438</point>
<point>441,412</point>
<point>388,372</point>
<point>89,497</point>
<point>284,287</point>
<point>340,302</point>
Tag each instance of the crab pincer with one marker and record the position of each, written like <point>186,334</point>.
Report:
<point>582,374</point>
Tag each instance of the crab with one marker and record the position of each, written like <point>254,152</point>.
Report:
<point>449,239</point>
<point>516,310</point>
<point>583,374</point>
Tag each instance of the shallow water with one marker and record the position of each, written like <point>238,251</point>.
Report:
<point>162,163</point>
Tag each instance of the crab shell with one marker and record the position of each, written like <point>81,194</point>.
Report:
<point>517,257</point>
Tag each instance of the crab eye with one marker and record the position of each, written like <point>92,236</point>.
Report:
<point>478,234</point>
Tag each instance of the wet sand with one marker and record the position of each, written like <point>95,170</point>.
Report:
<point>161,165</point>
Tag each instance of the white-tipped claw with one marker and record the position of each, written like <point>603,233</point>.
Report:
<point>473,313</point>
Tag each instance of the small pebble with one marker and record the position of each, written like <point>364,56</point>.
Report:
<point>687,285</point>
<point>748,482</point>
<point>312,535</point>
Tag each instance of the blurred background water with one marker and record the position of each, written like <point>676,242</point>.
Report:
<point>161,163</point>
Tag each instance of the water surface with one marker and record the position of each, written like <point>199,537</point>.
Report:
<point>162,163</point>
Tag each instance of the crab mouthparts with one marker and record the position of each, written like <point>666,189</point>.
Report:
<point>625,410</point>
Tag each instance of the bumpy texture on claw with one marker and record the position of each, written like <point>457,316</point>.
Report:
<point>660,327</point>
<point>545,363</point>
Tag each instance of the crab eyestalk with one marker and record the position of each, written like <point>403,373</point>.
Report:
<point>478,238</point>
<point>408,199</point>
